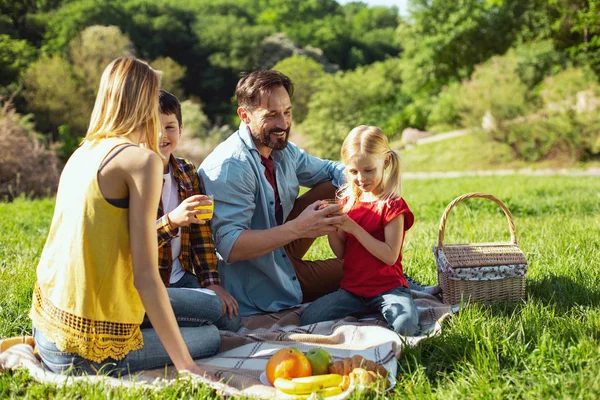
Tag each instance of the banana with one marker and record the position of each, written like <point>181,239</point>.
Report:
<point>331,391</point>
<point>322,381</point>
<point>307,384</point>
<point>289,387</point>
<point>327,392</point>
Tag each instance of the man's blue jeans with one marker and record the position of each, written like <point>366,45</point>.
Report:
<point>194,310</point>
<point>396,306</point>
<point>190,281</point>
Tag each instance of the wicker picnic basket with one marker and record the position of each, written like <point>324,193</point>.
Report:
<point>484,272</point>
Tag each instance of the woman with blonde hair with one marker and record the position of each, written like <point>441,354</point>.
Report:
<point>97,273</point>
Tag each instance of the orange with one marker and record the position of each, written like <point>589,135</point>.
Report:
<point>288,363</point>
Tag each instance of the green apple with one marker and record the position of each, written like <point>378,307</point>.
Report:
<point>319,360</point>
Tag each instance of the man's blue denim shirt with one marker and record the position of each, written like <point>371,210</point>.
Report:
<point>244,199</point>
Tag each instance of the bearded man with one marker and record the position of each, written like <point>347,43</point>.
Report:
<point>261,228</point>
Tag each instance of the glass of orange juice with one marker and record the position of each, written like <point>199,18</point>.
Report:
<point>331,202</point>
<point>210,208</point>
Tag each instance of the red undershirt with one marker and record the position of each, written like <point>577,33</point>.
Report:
<point>270,175</point>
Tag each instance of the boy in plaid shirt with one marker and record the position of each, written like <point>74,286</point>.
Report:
<point>186,251</point>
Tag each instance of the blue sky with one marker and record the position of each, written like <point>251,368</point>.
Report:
<point>401,4</point>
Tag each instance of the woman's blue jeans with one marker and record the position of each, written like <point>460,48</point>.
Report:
<point>196,311</point>
<point>396,306</point>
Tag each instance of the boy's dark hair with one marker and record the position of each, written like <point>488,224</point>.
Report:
<point>168,104</point>
<point>254,85</point>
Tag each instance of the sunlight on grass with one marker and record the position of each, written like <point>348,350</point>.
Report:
<point>471,153</point>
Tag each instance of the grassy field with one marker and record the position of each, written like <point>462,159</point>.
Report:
<point>472,153</point>
<point>544,347</point>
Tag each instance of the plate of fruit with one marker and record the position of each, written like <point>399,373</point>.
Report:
<point>298,375</point>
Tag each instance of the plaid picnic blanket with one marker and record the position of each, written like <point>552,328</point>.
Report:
<point>236,369</point>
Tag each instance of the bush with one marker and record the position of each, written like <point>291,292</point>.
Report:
<point>496,88</point>
<point>570,124</point>
<point>445,109</point>
<point>26,166</point>
<point>559,92</point>
<point>344,100</point>
<point>574,134</point>
<point>195,122</point>
<point>305,73</point>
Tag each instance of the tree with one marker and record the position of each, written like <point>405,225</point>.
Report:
<point>17,12</point>
<point>15,56</point>
<point>446,39</point>
<point>368,95</point>
<point>495,87</point>
<point>172,74</point>
<point>306,74</point>
<point>55,97</point>
<point>93,49</point>
<point>577,30</point>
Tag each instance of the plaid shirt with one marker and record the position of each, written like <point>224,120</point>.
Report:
<point>197,247</point>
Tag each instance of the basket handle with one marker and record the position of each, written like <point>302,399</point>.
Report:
<point>509,217</point>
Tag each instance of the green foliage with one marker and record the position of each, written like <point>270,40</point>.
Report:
<point>172,74</point>
<point>577,30</point>
<point>447,39</point>
<point>15,57</point>
<point>496,88</point>
<point>55,96</point>
<point>73,17</point>
<point>195,121</point>
<point>571,124</point>
<point>93,49</point>
<point>305,73</point>
<point>535,60</point>
<point>203,45</point>
<point>561,90</point>
<point>561,133</point>
<point>348,99</point>
<point>67,142</point>
<point>445,109</point>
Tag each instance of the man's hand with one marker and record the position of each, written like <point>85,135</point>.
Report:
<point>230,304</point>
<point>185,213</point>
<point>317,220</point>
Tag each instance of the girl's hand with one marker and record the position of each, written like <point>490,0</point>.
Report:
<point>347,225</point>
<point>185,213</point>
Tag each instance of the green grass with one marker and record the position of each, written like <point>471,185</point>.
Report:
<point>544,347</point>
<point>471,153</point>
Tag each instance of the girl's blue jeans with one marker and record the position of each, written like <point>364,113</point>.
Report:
<point>198,313</point>
<point>396,306</point>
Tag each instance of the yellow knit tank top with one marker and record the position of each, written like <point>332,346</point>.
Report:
<point>84,299</point>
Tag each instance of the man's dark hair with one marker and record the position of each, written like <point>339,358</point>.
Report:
<point>253,86</point>
<point>168,104</point>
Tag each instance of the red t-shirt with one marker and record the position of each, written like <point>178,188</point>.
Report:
<point>364,274</point>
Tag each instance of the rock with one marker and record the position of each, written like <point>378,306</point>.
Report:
<point>412,135</point>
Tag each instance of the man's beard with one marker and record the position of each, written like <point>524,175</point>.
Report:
<point>277,143</point>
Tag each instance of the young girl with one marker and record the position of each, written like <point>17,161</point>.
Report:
<point>97,273</point>
<point>370,240</point>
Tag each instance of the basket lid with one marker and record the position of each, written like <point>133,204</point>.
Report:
<point>482,254</point>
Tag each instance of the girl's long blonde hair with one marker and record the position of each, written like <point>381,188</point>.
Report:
<point>127,102</point>
<point>372,142</point>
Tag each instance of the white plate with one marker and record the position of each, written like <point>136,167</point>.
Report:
<point>265,381</point>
